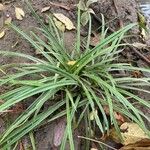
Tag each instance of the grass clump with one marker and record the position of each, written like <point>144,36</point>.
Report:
<point>77,83</point>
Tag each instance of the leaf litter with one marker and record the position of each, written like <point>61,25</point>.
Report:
<point>19,13</point>
<point>65,20</point>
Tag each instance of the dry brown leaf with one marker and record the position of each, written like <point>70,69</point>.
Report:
<point>2,7</point>
<point>8,21</point>
<point>2,34</point>
<point>117,115</point>
<point>65,20</point>
<point>113,135</point>
<point>132,133</point>
<point>45,9</point>
<point>19,13</point>
<point>140,145</point>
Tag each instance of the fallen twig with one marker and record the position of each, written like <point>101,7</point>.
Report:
<point>62,6</point>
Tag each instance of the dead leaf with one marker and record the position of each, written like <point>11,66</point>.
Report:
<point>140,145</point>
<point>19,13</point>
<point>71,63</point>
<point>139,45</point>
<point>145,35</point>
<point>117,115</point>
<point>1,7</point>
<point>65,20</point>
<point>132,133</point>
<point>2,34</point>
<point>8,21</point>
<point>45,9</point>
<point>59,24</point>
<point>59,130</point>
<point>113,134</point>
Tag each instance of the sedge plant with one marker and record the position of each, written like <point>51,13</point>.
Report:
<point>74,83</point>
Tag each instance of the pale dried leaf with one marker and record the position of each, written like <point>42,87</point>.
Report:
<point>2,7</point>
<point>45,9</point>
<point>59,24</point>
<point>132,133</point>
<point>2,34</point>
<point>8,21</point>
<point>65,20</point>
<point>144,34</point>
<point>140,145</point>
<point>113,135</point>
<point>139,45</point>
<point>19,13</point>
